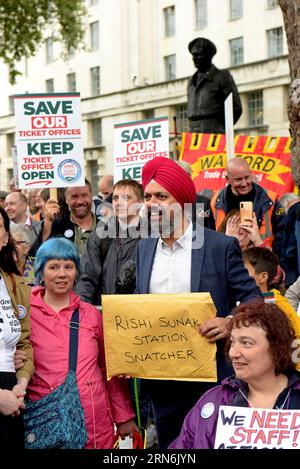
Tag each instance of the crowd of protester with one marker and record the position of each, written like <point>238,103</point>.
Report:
<point>157,237</point>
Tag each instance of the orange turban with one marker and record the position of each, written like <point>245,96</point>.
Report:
<point>171,177</point>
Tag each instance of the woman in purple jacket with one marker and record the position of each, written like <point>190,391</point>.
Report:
<point>259,348</point>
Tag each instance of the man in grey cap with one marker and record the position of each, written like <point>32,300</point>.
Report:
<point>208,88</point>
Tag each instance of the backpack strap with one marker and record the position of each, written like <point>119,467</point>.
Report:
<point>73,344</point>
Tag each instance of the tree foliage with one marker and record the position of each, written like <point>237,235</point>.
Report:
<point>23,24</point>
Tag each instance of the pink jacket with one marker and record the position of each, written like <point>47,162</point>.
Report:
<point>103,402</point>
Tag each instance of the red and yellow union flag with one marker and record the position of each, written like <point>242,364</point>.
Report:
<point>269,159</point>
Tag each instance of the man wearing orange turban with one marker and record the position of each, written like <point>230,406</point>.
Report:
<point>186,258</point>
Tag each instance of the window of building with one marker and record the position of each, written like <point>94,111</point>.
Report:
<point>275,42</point>
<point>236,9</point>
<point>50,85</point>
<point>169,17</point>
<point>182,122</point>
<point>49,50</point>
<point>72,52</point>
<point>94,177</point>
<point>96,132</point>
<point>255,108</point>
<point>95,81</point>
<point>26,67</point>
<point>201,13</point>
<point>71,82</point>
<point>170,67</point>
<point>236,51</point>
<point>10,142</point>
<point>11,104</point>
<point>272,4</point>
<point>94,35</point>
<point>9,174</point>
<point>148,114</point>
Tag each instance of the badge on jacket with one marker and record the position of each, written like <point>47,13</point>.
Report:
<point>68,233</point>
<point>22,311</point>
<point>207,410</point>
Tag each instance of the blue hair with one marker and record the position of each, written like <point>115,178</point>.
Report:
<point>55,248</point>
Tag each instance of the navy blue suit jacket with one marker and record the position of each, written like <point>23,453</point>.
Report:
<point>217,268</point>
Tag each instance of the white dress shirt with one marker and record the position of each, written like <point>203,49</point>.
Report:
<point>171,270</point>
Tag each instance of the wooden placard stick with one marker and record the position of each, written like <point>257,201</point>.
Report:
<point>53,193</point>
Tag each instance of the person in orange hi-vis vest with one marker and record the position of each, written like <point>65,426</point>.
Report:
<point>240,187</point>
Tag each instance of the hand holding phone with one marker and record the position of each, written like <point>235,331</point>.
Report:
<point>246,211</point>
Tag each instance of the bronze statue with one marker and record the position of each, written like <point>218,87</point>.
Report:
<point>208,88</point>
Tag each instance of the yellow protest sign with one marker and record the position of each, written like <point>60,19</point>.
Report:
<point>156,336</point>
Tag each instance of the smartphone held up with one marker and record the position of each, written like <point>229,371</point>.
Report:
<point>246,211</point>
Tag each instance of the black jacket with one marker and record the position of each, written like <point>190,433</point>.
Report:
<point>108,262</point>
<point>202,211</point>
<point>61,226</point>
<point>290,255</point>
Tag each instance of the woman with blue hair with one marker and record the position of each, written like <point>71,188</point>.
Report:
<point>104,403</point>
<point>55,249</point>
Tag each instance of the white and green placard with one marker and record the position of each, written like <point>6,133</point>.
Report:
<point>49,140</point>
<point>136,143</point>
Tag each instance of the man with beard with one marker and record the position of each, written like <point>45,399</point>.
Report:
<point>76,224</point>
<point>186,257</point>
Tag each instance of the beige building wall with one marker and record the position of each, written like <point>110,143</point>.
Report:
<point>133,84</point>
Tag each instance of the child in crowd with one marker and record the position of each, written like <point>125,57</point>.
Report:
<point>262,265</point>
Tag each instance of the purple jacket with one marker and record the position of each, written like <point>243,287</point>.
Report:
<point>199,427</point>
